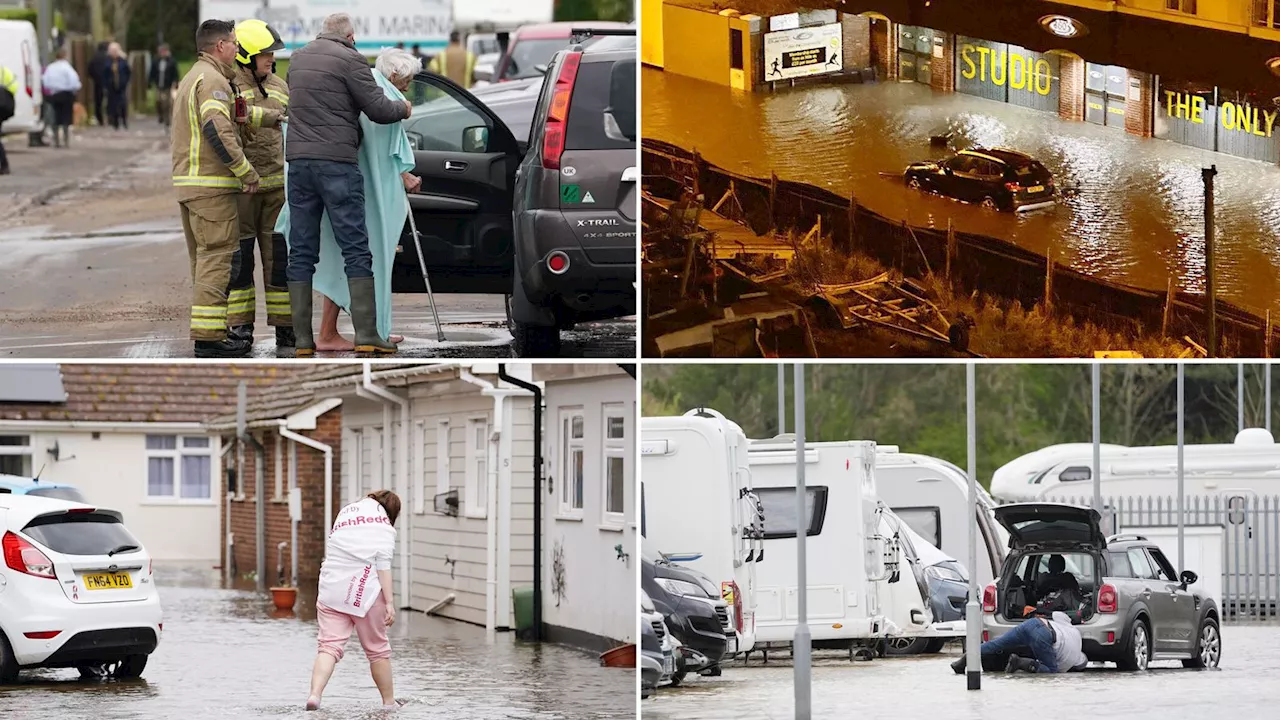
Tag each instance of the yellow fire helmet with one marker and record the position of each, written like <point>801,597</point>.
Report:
<point>256,37</point>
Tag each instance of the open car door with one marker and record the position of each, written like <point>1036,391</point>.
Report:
<point>467,160</point>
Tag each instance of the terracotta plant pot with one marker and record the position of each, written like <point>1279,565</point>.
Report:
<point>284,597</point>
<point>623,656</point>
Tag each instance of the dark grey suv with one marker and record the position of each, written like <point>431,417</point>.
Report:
<point>575,195</point>
<point>1129,604</point>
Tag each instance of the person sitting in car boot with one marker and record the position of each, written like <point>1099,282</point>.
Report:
<point>1053,641</point>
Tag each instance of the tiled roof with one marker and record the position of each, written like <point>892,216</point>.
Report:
<point>279,399</point>
<point>146,392</point>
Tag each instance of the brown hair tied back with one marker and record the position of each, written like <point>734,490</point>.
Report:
<point>389,502</point>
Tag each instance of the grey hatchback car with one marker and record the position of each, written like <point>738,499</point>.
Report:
<point>1130,609</point>
<point>575,195</point>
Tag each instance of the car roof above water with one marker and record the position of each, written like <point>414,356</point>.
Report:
<point>1005,155</point>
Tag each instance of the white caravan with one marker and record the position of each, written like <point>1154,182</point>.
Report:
<point>847,556</point>
<point>913,598</point>
<point>696,500</point>
<point>932,496</point>
<point>1251,462</point>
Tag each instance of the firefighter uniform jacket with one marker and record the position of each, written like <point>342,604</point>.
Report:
<point>268,102</point>
<point>456,63</point>
<point>208,159</point>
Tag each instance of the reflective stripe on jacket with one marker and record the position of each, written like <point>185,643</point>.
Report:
<point>263,141</point>
<point>208,158</point>
<point>456,63</point>
<point>9,81</point>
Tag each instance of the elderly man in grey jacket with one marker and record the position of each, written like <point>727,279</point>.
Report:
<point>329,87</point>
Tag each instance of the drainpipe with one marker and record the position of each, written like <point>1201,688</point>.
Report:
<point>537,495</point>
<point>260,508</point>
<point>491,525</point>
<point>226,567</point>
<point>285,432</point>
<point>402,452</point>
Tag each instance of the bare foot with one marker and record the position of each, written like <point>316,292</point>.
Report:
<point>336,343</point>
<point>313,703</point>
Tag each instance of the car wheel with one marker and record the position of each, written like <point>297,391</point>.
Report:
<point>990,203</point>
<point>8,664</point>
<point>677,678</point>
<point>935,645</point>
<point>129,668</point>
<point>913,183</point>
<point>536,340</point>
<point>1208,646</point>
<point>898,646</point>
<point>1137,654</point>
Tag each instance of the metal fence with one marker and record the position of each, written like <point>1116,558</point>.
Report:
<point>1249,527</point>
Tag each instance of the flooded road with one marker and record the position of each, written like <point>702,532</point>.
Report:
<point>924,687</point>
<point>1138,217</point>
<point>223,655</point>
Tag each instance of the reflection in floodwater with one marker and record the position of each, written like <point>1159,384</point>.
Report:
<point>224,655</point>
<point>1137,217</point>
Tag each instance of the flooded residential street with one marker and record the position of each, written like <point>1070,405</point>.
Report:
<point>1137,217</point>
<point>224,655</point>
<point>924,687</point>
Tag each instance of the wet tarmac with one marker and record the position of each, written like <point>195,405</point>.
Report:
<point>1138,216</point>
<point>924,687</point>
<point>121,292</point>
<point>224,655</point>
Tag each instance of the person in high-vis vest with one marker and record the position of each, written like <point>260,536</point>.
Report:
<point>8,105</point>
<point>455,62</point>
<point>266,98</point>
<point>210,171</point>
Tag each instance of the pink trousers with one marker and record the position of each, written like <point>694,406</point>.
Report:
<point>335,630</point>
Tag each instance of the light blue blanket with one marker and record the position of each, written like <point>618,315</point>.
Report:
<point>385,152</point>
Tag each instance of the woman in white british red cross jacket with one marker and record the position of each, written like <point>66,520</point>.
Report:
<point>355,592</point>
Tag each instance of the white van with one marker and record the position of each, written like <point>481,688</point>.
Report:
<point>20,52</point>
<point>847,556</point>
<point>932,496</point>
<point>696,501</point>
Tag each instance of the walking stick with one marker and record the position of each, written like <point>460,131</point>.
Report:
<point>422,263</point>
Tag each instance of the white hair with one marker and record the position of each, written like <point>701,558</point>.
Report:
<point>395,64</point>
<point>338,24</point>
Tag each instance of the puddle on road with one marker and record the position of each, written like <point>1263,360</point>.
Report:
<point>1138,216</point>
<point>223,655</point>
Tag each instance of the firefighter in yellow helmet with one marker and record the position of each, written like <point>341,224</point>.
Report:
<point>455,62</point>
<point>266,99</point>
<point>210,171</point>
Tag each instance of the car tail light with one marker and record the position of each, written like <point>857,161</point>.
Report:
<point>986,636</point>
<point>81,510</point>
<point>1107,598</point>
<point>1012,186</point>
<point>729,591</point>
<point>1111,637</point>
<point>43,634</point>
<point>558,114</point>
<point>23,557</point>
<point>989,598</point>
<point>558,262</point>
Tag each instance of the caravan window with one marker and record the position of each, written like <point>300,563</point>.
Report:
<point>780,511</point>
<point>926,521</point>
<point>1075,473</point>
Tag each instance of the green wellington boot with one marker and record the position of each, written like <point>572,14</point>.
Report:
<point>364,315</point>
<point>300,304</point>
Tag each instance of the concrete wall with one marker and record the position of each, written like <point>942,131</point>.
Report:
<point>695,43</point>
<point>313,527</point>
<point>588,592</point>
<point>651,32</point>
<point>447,554</point>
<point>111,470</point>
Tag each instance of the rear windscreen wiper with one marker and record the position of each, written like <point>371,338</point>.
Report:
<point>123,548</point>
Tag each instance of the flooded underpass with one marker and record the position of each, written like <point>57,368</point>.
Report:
<point>1135,216</point>
<point>925,687</point>
<point>224,655</point>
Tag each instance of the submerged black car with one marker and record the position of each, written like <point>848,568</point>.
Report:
<point>998,179</point>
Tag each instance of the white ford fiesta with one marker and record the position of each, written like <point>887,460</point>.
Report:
<point>76,590</point>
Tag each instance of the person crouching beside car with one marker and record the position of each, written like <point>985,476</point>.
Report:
<point>355,592</point>
<point>1054,643</point>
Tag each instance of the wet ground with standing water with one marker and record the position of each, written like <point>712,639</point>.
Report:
<point>224,654</point>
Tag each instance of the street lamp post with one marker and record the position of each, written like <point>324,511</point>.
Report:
<point>972,609</point>
<point>1181,500</point>
<point>1239,397</point>
<point>1097,439</point>
<point>801,644</point>
<point>1207,175</point>
<point>782,399</point>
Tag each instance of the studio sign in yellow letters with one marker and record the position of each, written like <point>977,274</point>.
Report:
<point>1231,116</point>
<point>1021,71</point>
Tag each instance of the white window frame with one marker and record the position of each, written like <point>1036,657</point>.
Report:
<point>443,482</point>
<point>613,448</point>
<point>351,439</point>
<point>568,446</point>
<point>21,451</point>
<point>476,504</point>
<point>176,454</point>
